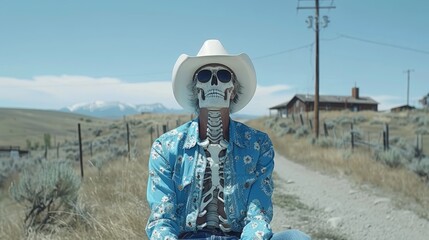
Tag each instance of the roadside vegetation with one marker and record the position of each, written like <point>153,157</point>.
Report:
<point>43,196</point>
<point>401,171</point>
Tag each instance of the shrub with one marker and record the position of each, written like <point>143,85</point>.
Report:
<point>97,132</point>
<point>49,194</point>
<point>421,167</point>
<point>283,129</point>
<point>359,119</point>
<point>420,120</point>
<point>329,125</point>
<point>391,157</point>
<point>98,162</point>
<point>344,120</point>
<point>301,132</point>
<point>376,122</point>
<point>408,150</point>
<point>271,122</point>
<point>6,166</point>
<point>325,142</point>
<point>328,142</point>
<point>422,131</point>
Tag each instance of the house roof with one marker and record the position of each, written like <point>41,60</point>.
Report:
<point>403,107</point>
<point>281,105</point>
<point>336,99</point>
<point>328,99</point>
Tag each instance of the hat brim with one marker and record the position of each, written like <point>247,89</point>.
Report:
<point>185,67</point>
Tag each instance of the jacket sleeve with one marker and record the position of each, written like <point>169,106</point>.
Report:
<point>260,207</point>
<point>161,196</point>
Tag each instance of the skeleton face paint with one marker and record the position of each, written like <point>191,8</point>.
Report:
<point>214,86</point>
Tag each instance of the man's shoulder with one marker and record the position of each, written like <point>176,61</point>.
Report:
<point>242,127</point>
<point>181,131</point>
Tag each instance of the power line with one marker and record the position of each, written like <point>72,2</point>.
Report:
<point>384,44</point>
<point>284,51</point>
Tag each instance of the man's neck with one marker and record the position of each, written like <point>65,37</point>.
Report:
<point>203,121</point>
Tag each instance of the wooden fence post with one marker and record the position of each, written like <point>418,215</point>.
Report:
<point>384,141</point>
<point>419,143</point>
<point>128,142</point>
<point>46,152</point>
<point>293,118</point>
<point>151,134</point>
<point>90,148</point>
<point>369,142</point>
<point>386,127</point>
<point>157,130</point>
<point>352,136</point>
<point>302,120</point>
<point>325,128</point>
<point>80,150</point>
<point>164,128</point>
<point>311,124</point>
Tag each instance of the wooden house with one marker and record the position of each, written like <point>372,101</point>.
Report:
<point>402,108</point>
<point>305,103</point>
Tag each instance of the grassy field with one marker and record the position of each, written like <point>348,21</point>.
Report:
<point>112,197</point>
<point>18,125</point>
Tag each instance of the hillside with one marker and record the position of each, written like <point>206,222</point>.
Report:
<point>18,125</point>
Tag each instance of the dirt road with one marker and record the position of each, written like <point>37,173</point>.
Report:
<point>334,208</point>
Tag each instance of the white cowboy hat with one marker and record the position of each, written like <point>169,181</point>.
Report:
<point>213,51</point>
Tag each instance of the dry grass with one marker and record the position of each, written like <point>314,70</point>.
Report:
<point>114,206</point>
<point>113,200</point>
<point>405,187</point>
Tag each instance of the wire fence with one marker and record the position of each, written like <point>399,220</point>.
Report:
<point>352,137</point>
<point>90,144</point>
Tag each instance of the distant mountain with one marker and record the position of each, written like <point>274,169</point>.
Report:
<point>116,109</point>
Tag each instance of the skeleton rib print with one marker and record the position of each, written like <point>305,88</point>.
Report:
<point>212,212</point>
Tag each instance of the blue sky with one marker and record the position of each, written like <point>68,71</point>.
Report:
<point>57,53</point>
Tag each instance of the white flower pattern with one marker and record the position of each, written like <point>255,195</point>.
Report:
<point>256,146</point>
<point>247,159</point>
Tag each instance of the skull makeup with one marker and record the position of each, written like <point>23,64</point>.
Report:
<point>214,86</point>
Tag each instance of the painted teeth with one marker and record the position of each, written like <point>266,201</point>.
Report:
<point>215,93</point>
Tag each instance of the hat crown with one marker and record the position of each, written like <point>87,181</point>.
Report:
<point>212,47</point>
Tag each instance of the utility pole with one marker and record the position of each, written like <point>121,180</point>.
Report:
<point>408,85</point>
<point>316,21</point>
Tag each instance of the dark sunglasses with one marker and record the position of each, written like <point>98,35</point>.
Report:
<point>205,75</point>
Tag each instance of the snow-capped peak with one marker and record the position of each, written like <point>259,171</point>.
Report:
<point>115,108</point>
<point>100,105</point>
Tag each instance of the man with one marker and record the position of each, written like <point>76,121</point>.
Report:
<point>211,177</point>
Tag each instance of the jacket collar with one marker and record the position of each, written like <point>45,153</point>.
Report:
<point>192,136</point>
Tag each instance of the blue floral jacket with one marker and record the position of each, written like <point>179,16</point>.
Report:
<point>174,190</point>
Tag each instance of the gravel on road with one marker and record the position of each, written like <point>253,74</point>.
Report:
<point>328,207</point>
